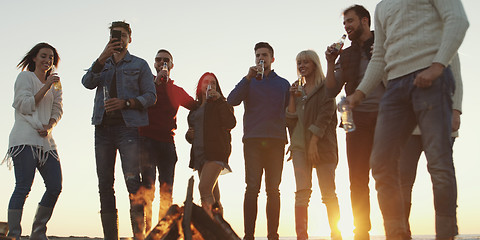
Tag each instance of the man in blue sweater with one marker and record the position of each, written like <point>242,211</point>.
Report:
<point>265,98</point>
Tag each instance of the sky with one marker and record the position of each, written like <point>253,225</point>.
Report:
<point>214,36</point>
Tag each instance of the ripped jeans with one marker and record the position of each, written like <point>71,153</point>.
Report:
<point>109,139</point>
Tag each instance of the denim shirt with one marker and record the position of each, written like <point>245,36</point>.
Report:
<point>134,80</point>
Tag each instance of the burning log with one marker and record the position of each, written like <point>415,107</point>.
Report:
<point>167,227</point>
<point>4,231</point>
<point>191,222</point>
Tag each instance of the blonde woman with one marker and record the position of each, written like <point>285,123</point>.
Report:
<point>311,119</point>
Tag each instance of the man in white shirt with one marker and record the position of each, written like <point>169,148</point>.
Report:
<point>415,41</point>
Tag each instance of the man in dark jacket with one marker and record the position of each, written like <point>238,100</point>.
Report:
<point>348,72</point>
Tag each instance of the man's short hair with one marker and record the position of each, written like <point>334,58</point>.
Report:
<point>165,51</point>
<point>121,24</point>
<point>360,11</point>
<point>263,45</point>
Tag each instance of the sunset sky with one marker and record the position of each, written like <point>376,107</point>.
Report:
<point>215,36</point>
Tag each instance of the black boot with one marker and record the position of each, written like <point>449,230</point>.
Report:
<point>301,222</point>
<point>14,227</point>
<point>110,225</point>
<point>39,228</point>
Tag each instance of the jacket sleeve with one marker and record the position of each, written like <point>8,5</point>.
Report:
<point>339,83</point>
<point>291,118</point>
<point>324,116</point>
<point>24,97</point>
<point>239,93</point>
<point>91,79</point>
<point>148,93</point>
<point>189,139</point>
<point>227,116</point>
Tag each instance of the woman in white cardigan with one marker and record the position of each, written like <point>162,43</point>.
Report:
<point>38,108</point>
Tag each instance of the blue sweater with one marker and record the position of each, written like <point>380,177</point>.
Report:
<point>265,102</point>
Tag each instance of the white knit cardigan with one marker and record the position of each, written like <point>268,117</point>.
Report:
<point>30,117</point>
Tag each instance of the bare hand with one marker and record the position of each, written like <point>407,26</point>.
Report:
<point>213,94</point>
<point>162,76</point>
<point>51,79</point>
<point>426,77</point>
<point>293,88</point>
<point>190,133</point>
<point>113,104</point>
<point>355,99</point>
<point>47,129</point>
<point>455,120</point>
<point>252,72</point>
<point>312,155</point>
<point>109,50</point>
<point>331,54</point>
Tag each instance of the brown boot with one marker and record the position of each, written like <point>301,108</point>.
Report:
<point>301,222</point>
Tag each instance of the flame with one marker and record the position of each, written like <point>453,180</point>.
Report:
<point>165,199</point>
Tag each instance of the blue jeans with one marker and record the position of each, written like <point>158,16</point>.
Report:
<point>402,107</point>
<point>262,154</point>
<point>109,139</point>
<point>25,165</point>
<point>408,172</point>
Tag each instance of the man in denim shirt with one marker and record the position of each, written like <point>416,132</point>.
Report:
<point>124,92</point>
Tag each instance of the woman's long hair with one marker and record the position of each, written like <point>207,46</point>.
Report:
<point>198,92</point>
<point>28,63</point>
<point>312,56</point>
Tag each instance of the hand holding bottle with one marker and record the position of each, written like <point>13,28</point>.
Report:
<point>211,94</point>
<point>347,115</point>
<point>260,70</point>
<point>164,73</point>
<point>334,50</point>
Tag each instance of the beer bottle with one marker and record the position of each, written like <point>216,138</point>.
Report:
<point>261,70</point>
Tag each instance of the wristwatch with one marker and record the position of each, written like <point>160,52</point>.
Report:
<point>127,103</point>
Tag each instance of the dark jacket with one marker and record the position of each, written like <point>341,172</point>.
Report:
<point>320,119</point>
<point>349,62</point>
<point>218,121</point>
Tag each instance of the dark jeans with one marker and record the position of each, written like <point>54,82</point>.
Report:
<point>262,154</point>
<point>359,147</point>
<point>25,164</point>
<point>408,171</point>
<point>402,107</point>
<point>109,139</point>
<point>161,156</point>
